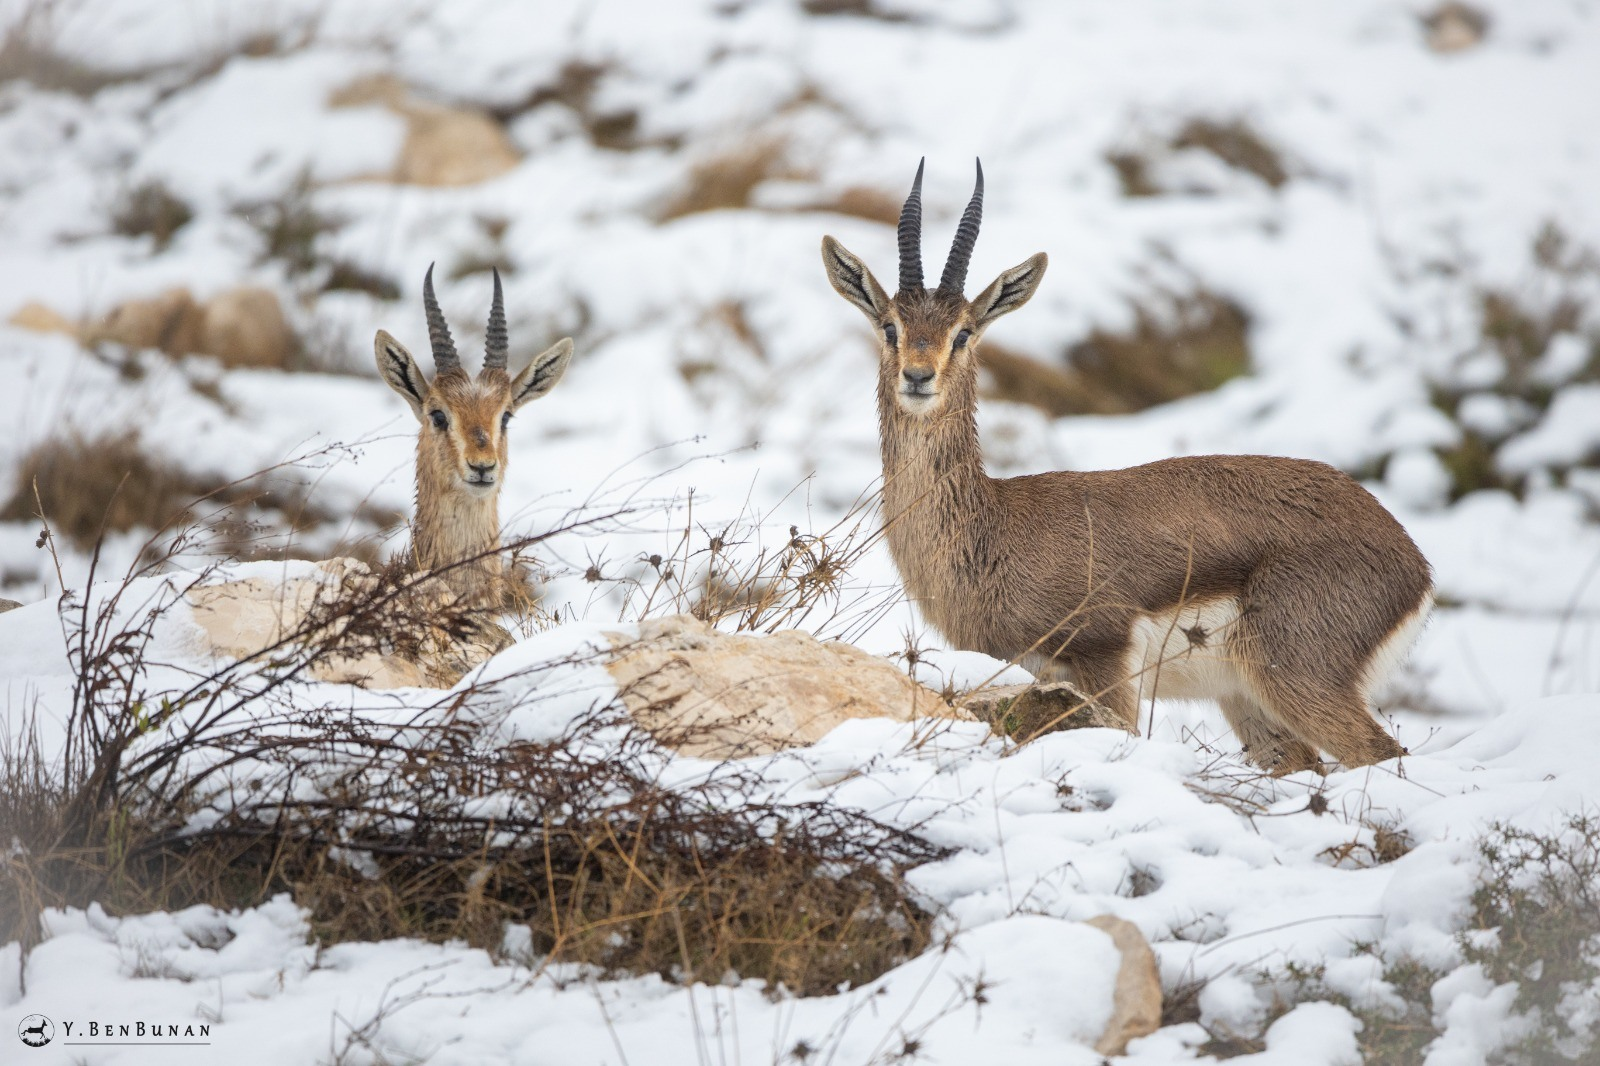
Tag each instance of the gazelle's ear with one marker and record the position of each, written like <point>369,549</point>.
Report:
<point>1009,291</point>
<point>541,375</point>
<point>399,370</point>
<point>852,280</point>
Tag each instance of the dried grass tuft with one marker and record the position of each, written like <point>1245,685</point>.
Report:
<point>1180,343</point>
<point>727,180</point>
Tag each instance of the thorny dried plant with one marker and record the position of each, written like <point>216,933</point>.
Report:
<point>181,785</point>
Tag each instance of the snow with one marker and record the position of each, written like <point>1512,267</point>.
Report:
<point>1399,158</point>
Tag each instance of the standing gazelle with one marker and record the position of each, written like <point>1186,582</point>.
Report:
<point>1278,587</point>
<point>461,449</point>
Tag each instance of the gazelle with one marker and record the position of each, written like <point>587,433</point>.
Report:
<point>1278,587</point>
<point>461,449</point>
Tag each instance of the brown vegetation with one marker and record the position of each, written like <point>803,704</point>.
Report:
<point>1237,144</point>
<point>575,87</point>
<point>1234,141</point>
<point>1180,344</point>
<point>1516,326</point>
<point>727,179</point>
<point>1537,894</point>
<point>152,210</point>
<point>93,486</point>
<point>586,849</point>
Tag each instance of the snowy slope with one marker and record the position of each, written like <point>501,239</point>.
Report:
<point>1400,159</point>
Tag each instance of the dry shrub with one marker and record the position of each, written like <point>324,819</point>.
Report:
<point>89,487</point>
<point>347,276</point>
<point>799,583</point>
<point>575,87</point>
<point>456,835</point>
<point>491,254</point>
<point>728,179</point>
<point>1233,141</point>
<point>606,868</point>
<point>28,53</point>
<point>1180,344</point>
<point>652,882</point>
<point>153,210</point>
<point>861,201</point>
<point>1383,842</point>
<point>1236,143</point>
<point>1388,1036</point>
<point>289,226</point>
<point>1019,378</point>
<point>1540,892</point>
<point>433,826</point>
<point>1133,173</point>
<point>867,9</point>
<point>1516,325</point>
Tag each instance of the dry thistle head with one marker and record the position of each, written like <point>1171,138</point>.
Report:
<point>464,418</point>
<point>929,336</point>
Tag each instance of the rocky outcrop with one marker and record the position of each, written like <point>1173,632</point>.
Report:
<point>35,316</point>
<point>721,695</point>
<point>1023,712</point>
<point>246,327</point>
<point>1136,1002</point>
<point>242,327</point>
<point>394,648</point>
<point>443,145</point>
<point>8,605</point>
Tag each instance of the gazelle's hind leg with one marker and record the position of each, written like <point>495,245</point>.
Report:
<point>1267,744</point>
<point>1307,660</point>
<point>1325,713</point>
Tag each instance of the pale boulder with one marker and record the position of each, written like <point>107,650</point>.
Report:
<point>721,695</point>
<point>444,145</point>
<point>172,322</point>
<point>244,326</point>
<point>35,316</point>
<point>243,618</point>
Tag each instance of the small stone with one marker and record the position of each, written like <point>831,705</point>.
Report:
<point>1136,1001</point>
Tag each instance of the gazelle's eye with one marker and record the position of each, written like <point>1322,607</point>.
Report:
<point>891,334</point>
<point>961,339</point>
<point>441,421</point>
<point>505,420</point>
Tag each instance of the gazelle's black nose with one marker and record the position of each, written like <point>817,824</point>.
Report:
<point>917,376</point>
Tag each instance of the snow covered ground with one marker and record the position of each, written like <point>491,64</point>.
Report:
<point>1417,181</point>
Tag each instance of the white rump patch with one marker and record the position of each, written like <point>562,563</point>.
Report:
<point>1188,652</point>
<point>1395,647</point>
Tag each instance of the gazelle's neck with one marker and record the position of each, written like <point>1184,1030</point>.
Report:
<point>453,525</point>
<point>937,500</point>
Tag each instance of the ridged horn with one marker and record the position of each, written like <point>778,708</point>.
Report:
<point>911,236</point>
<point>955,268</point>
<point>496,341</point>
<point>444,349</point>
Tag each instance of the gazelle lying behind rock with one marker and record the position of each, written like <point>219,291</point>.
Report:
<point>462,449</point>
<point>1279,587</point>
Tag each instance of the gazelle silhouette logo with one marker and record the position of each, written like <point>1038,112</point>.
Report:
<point>36,1030</point>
